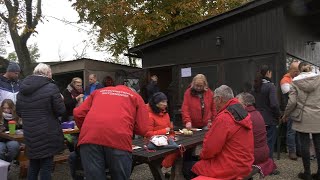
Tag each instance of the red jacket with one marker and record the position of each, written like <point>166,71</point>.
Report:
<point>110,116</point>
<point>157,123</point>
<point>228,146</point>
<point>191,109</point>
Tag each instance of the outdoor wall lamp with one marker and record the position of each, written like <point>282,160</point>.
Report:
<point>218,41</point>
<point>312,44</point>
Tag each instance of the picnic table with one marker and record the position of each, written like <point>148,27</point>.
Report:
<point>154,159</point>
<point>22,158</point>
<point>20,137</point>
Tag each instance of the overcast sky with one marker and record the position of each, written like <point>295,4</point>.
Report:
<point>56,38</point>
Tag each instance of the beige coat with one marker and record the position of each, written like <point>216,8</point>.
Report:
<point>304,103</point>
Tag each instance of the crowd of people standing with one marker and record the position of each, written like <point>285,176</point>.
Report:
<point>241,130</point>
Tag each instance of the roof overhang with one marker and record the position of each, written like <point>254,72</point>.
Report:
<point>249,7</point>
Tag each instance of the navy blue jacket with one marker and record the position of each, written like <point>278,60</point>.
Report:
<point>87,89</point>
<point>8,89</point>
<point>39,103</point>
<point>267,103</point>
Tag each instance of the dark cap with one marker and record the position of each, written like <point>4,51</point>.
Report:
<point>13,67</point>
<point>158,97</point>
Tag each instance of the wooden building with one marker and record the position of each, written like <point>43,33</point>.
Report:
<point>64,71</point>
<point>229,48</point>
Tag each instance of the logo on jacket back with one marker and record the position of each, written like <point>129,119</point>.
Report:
<point>115,93</point>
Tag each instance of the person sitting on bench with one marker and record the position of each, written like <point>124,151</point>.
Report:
<point>261,149</point>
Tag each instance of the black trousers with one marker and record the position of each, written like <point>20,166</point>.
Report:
<point>305,150</point>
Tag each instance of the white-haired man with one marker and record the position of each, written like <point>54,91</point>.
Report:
<point>228,146</point>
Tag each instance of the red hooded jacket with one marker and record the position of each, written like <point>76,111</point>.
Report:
<point>110,116</point>
<point>228,146</point>
<point>157,123</point>
<point>191,109</point>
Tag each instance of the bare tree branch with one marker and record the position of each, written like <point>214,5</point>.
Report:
<point>9,7</point>
<point>38,15</point>
<point>4,17</point>
<point>31,24</point>
<point>16,6</point>
<point>28,14</point>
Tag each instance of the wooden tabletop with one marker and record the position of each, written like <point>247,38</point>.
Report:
<point>187,141</point>
<point>12,137</point>
<point>20,137</point>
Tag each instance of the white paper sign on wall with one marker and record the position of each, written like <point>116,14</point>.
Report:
<point>186,72</point>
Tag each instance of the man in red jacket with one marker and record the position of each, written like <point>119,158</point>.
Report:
<point>228,145</point>
<point>107,120</point>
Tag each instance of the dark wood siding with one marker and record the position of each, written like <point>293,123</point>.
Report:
<point>298,33</point>
<point>242,36</point>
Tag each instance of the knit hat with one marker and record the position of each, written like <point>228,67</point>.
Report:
<point>13,67</point>
<point>158,97</point>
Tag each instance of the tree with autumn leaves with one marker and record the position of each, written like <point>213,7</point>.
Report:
<point>121,24</point>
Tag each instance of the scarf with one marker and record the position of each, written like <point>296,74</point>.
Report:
<point>196,93</point>
<point>73,91</point>
<point>7,116</point>
<point>266,80</point>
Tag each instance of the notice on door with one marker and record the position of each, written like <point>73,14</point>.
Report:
<point>186,72</point>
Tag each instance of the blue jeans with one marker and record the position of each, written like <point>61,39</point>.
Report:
<point>74,164</point>
<point>95,159</point>
<point>291,137</point>
<point>271,138</point>
<point>44,166</point>
<point>9,150</point>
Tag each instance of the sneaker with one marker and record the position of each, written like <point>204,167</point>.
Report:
<point>166,171</point>
<point>304,176</point>
<point>293,156</point>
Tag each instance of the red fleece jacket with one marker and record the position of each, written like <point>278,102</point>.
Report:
<point>110,116</point>
<point>191,109</point>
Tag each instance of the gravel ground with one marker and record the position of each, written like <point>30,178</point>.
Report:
<point>288,170</point>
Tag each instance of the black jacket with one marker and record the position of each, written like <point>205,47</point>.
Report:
<point>39,104</point>
<point>267,103</point>
<point>70,103</point>
<point>152,88</point>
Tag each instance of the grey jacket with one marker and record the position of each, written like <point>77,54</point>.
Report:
<point>304,103</point>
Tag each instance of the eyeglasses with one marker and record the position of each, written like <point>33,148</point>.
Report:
<point>215,97</point>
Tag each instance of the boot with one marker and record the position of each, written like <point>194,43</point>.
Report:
<point>304,176</point>
<point>316,176</point>
<point>293,156</point>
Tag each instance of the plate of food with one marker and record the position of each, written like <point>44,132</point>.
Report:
<point>195,129</point>
<point>134,147</point>
<point>186,132</point>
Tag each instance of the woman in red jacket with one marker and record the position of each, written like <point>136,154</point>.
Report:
<point>198,108</point>
<point>159,119</point>
<point>159,124</point>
